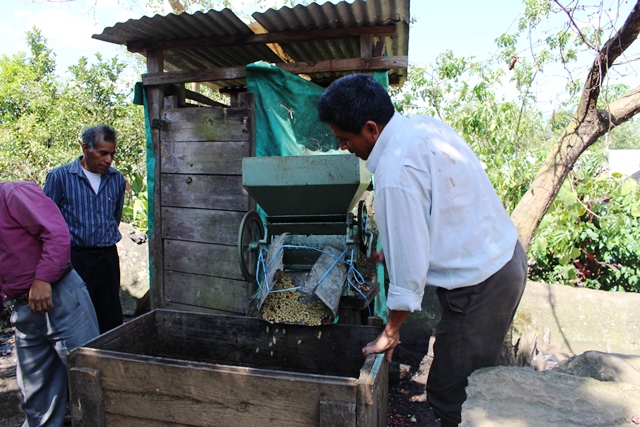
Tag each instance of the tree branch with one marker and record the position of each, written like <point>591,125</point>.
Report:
<point>584,40</point>
<point>605,58</point>
<point>625,107</point>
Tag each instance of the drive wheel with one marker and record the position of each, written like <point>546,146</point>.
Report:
<point>251,232</point>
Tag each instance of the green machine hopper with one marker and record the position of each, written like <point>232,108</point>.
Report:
<point>309,201</point>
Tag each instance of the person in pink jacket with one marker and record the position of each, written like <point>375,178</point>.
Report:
<point>52,310</point>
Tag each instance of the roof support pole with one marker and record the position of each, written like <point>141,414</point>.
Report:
<point>155,101</point>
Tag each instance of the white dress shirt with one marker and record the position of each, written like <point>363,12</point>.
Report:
<point>438,215</point>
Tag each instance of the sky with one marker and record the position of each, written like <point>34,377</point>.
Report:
<point>466,27</point>
<point>69,24</point>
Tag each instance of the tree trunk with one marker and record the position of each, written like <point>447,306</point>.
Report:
<point>587,126</point>
<point>544,188</point>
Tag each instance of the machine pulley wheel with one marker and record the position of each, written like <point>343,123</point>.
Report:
<point>251,232</point>
<point>365,235</point>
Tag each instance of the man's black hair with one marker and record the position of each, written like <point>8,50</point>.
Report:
<point>90,135</point>
<point>351,101</point>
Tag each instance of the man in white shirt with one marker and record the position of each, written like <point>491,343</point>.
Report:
<point>441,224</point>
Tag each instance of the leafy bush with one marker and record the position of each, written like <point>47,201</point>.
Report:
<point>136,207</point>
<point>42,117</point>
<point>591,235</point>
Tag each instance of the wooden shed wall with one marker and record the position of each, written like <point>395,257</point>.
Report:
<point>201,205</point>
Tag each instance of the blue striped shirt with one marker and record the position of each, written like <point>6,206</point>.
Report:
<point>93,219</point>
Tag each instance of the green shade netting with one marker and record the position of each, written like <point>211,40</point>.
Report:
<point>140,98</point>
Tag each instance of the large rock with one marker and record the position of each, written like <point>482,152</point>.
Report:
<point>603,367</point>
<point>568,321</point>
<point>522,397</point>
<point>134,272</point>
<point>553,319</point>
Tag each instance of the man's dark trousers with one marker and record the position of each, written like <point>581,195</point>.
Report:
<point>475,321</point>
<point>99,267</point>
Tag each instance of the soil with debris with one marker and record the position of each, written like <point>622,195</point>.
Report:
<point>407,389</point>
<point>10,413</point>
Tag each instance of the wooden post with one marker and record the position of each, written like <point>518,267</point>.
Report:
<point>87,397</point>
<point>366,47</point>
<point>155,102</point>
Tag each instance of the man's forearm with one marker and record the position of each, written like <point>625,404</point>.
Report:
<point>395,320</point>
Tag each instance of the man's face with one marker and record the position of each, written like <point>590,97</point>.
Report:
<point>359,144</point>
<point>100,158</point>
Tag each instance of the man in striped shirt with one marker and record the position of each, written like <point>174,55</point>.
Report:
<point>90,195</point>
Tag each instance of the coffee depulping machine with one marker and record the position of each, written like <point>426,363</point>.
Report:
<point>308,204</point>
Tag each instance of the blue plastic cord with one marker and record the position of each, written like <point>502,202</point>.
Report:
<point>263,281</point>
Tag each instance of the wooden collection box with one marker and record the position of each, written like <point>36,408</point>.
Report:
<point>177,368</point>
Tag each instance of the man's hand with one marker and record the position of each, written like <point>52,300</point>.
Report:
<point>389,338</point>
<point>386,341</point>
<point>40,297</point>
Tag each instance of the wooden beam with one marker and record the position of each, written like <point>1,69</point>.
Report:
<point>202,99</point>
<point>244,39</point>
<point>233,73</point>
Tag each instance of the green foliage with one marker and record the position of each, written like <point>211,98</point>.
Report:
<point>135,212</point>
<point>626,136</point>
<point>42,115</point>
<point>591,235</point>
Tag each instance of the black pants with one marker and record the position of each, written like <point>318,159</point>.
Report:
<point>99,267</point>
<point>475,321</point>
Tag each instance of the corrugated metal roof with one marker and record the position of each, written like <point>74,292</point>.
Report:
<point>225,24</point>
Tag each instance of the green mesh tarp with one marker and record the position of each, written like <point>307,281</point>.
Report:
<point>140,98</point>
<point>286,117</point>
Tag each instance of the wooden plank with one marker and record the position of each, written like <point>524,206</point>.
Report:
<point>366,45</point>
<point>116,420</point>
<point>137,336</point>
<point>353,64</point>
<point>202,99</point>
<point>196,142</point>
<point>206,157</point>
<point>335,413</point>
<point>200,309</point>
<point>205,394</point>
<point>206,124</point>
<point>204,191</point>
<point>245,341</point>
<point>248,39</point>
<point>86,398</point>
<point>202,258</point>
<point>205,291</point>
<point>233,73</point>
<point>202,225</point>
